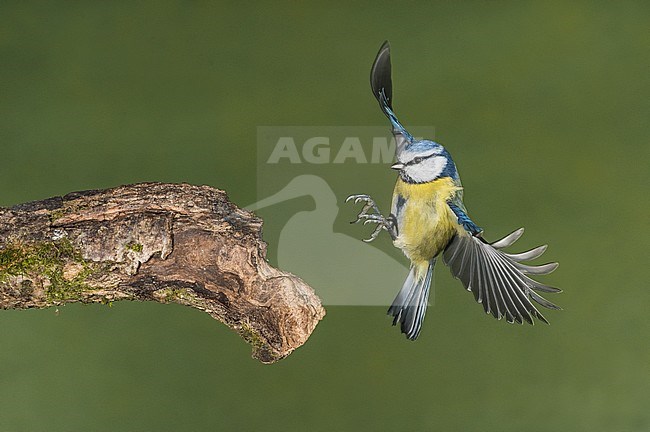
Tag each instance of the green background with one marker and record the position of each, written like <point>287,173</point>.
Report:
<point>544,106</point>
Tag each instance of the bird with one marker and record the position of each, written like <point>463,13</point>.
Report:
<point>428,219</point>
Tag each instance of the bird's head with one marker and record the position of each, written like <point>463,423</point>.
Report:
<point>424,161</point>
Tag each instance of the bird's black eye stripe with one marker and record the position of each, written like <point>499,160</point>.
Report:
<point>419,159</point>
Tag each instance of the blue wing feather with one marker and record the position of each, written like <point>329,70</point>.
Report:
<point>382,87</point>
<point>463,219</point>
<point>397,126</point>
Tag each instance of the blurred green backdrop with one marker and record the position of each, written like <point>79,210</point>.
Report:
<point>544,106</point>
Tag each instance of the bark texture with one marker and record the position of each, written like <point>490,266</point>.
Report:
<point>154,241</point>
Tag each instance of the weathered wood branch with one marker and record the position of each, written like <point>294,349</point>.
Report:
<point>161,242</point>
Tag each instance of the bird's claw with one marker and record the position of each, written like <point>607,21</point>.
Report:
<point>375,233</point>
<point>371,218</point>
<point>368,217</point>
<point>369,205</point>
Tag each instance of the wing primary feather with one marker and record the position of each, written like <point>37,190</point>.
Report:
<point>498,295</point>
<point>541,300</point>
<point>524,305</point>
<point>497,279</point>
<point>452,249</point>
<point>485,291</point>
<point>462,265</point>
<point>381,84</point>
<point>543,269</point>
<point>523,291</point>
<point>544,288</point>
<point>477,288</point>
<point>380,76</point>
<point>510,304</point>
<point>471,286</point>
<point>502,285</point>
<point>492,297</point>
<point>479,283</point>
<point>508,240</point>
<point>529,286</point>
<point>528,255</point>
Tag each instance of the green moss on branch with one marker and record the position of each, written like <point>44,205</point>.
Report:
<point>64,269</point>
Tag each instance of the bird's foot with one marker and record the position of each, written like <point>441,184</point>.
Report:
<point>369,205</point>
<point>370,214</point>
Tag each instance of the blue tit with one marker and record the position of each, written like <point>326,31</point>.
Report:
<point>428,219</point>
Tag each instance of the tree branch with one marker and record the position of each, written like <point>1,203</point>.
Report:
<point>154,241</point>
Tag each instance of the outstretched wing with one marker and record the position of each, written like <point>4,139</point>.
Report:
<point>498,279</point>
<point>382,87</point>
<point>381,78</point>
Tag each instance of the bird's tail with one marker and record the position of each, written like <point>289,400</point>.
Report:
<point>410,305</point>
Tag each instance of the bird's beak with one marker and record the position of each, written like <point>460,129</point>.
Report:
<point>397,166</point>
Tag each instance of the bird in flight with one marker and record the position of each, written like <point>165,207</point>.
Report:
<point>428,219</point>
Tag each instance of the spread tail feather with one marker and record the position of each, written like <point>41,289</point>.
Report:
<point>410,305</point>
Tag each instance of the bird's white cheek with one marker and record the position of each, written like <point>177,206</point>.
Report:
<point>427,170</point>
<point>435,166</point>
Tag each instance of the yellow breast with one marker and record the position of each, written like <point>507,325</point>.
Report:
<point>426,223</point>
